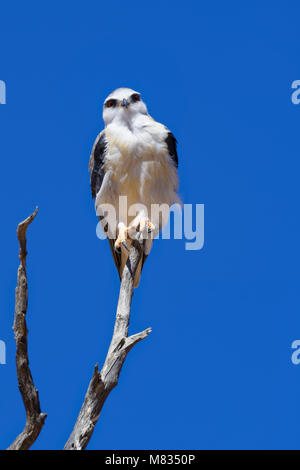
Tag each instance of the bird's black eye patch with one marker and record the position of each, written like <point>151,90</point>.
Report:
<point>110,103</point>
<point>135,97</point>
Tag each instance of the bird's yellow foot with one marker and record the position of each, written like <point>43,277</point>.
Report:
<point>145,225</point>
<point>119,243</point>
<point>121,240</point>
<point>150,226</point>
<point>140,228</point>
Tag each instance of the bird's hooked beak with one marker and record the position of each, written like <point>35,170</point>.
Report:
<point>124,103</point>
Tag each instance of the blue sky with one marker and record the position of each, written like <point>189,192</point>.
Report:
<point>216,371</point>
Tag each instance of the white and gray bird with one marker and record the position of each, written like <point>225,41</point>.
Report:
<point>136,157</point>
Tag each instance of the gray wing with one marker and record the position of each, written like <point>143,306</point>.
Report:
<point>96,163</point>
<point>172,147</point>
<point>97,173</point>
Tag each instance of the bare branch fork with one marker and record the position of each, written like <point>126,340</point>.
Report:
<point>103,382</point>
<point>34,417</point>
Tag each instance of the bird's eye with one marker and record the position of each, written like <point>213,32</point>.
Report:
<point>110,103</point>
<point>135,97</point>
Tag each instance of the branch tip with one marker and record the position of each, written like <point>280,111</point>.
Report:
<point>34,417</point>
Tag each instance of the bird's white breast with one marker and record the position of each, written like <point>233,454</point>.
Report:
<point>140,166</point>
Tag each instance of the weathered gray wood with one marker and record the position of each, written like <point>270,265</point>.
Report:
<point>103,382</point>
<point>34,417</point>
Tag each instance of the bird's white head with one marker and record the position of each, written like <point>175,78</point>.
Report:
<point>123,106</point>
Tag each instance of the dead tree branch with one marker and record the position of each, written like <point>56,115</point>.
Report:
<point>103,382</point>
<point>34,417</point>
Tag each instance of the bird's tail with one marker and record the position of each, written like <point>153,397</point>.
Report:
<point>124,257</point>
<point>138,272</point>
<point>120,259</point>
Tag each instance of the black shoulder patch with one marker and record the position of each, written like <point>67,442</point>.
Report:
<point>172,147</point>
<point>97,173</point>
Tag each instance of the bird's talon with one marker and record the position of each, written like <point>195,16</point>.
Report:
<point>125,246</point>
<point>150,226</point>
